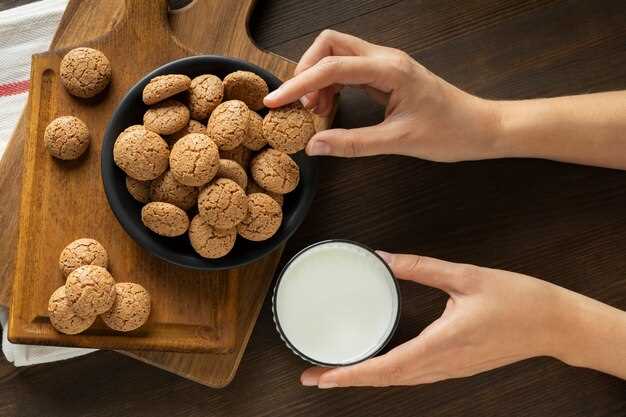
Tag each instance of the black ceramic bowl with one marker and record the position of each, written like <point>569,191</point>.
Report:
<point>128,211</point>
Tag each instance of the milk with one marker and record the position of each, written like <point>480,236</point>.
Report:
<point>336,303</point>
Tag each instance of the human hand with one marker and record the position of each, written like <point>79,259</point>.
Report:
<point>425,117</point>
<point>492,318</point>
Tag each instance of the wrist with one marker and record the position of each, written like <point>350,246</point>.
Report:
<point>498,127</point>
<point>509,121</point>
<point>590,334</point>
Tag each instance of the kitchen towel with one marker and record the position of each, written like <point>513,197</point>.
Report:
<point>24,31</point>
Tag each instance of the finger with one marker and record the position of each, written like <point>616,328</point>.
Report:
<point>385,370</point>
<point>378,96</point>
<point>332,70</point>
<point>310,100</point>
<point>310,377</point>
<point>424,270</point>
<point>329,43</point>
<point>351,143</point>
<point>326,100</point>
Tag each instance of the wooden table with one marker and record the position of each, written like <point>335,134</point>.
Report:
<point>561,222</point>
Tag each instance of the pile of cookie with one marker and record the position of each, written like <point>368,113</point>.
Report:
<point>91,291</point>
<point>175,163</point>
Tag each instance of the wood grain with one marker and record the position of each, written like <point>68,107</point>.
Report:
<point>561,222</point>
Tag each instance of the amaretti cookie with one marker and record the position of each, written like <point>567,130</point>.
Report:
<point>139,190</point>
<point>253,187</point>
<point>166,117</point>
<point>165,86</point>
<point>254,140</point>
<point>81,252</point>
<point>223,203</point>
<point>247,87</point>
<point>62,316</point>
<point>228,124</point>
<point>66,137</point>
<point>263,219</point>
<point>194,160</point>
<point>131,308</point>
<point>166,189</point>
<point>288,128</point>
<point>205,94</point>
<point>89,289</point>
<point>208,241</point>
<point>85,72</point>
<point>133,128</point>
<point>193,126</point>
<point>165,219</point>
<point>275,171</point>
<point>233,171</point>
<point>141,154</point>
<point>240,154</point>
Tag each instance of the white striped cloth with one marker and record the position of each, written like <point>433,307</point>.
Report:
<point>25,31</point>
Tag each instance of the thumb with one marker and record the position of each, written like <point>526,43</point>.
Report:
<point>351,143</point>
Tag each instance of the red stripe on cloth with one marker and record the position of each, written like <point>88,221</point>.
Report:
<point>11,89</point>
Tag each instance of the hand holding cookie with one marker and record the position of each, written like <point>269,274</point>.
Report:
<point>426,117</point>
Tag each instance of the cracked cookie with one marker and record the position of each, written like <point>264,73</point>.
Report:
<point>166,189</point>
<point>233,171</point>
<point>247,87</point>
<point>253,187</point>
<point>228,124</point>
<point>66,137</point>
<point>288,128</point>
<point>275,171</point>
<point>263,219</point>
<point>85,72</point>
<point>205,94</point>
<point>141,154</point>
<point>139,190</point>
<point>254,139</point>
<point>222,203</point>
<point>166,117</point>
<point>165,219</point>
<point>193,126</point>
<point>82,252</point>
<point>89,290</point>
<point>208,241</point>
<point>131,308</point>
<point>240,154</point>
<point>62,316</point>
<point>194,160</point>
<point>165,86</point>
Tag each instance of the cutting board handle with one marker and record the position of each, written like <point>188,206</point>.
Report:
<point>146,11</point>
<point>145,17</point>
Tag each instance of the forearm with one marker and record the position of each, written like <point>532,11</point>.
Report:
<point>587,129</point>
<point>593,335</point>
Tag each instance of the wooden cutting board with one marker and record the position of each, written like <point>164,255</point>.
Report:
<point>213,370</point>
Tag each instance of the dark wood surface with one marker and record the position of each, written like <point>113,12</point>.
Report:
<point>561,222</point>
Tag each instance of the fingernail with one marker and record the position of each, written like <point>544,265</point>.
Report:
<point>308,380</point>
<point>305,102</point>
<point>326,385</point>
<point>319,148</point>
<point>385,255</point>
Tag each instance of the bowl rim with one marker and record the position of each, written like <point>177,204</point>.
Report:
<point>108,167</point>
<point>295,350</point>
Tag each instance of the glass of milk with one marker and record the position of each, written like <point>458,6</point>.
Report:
<point>336,303</point>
